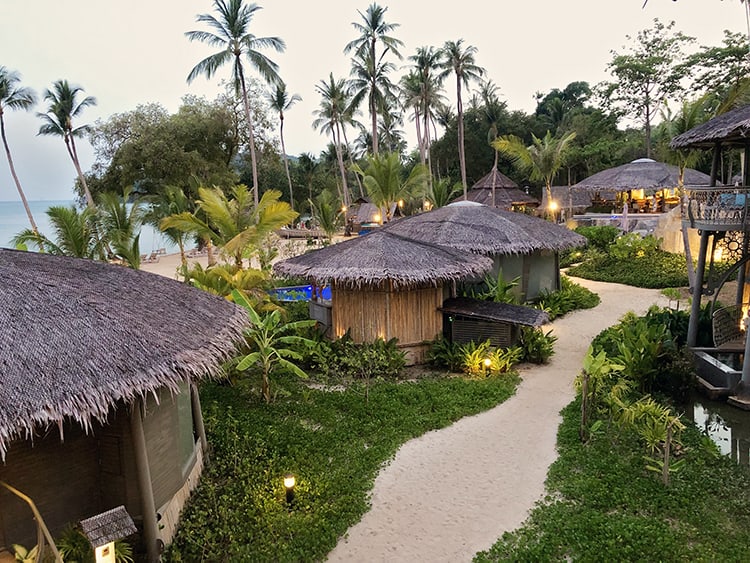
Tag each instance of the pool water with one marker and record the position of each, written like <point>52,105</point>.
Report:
<point>299,293</point>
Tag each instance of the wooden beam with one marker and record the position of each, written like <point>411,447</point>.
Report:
<point>145,486</point>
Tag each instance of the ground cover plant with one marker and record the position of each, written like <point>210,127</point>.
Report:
<point>635,482</point>
<point>334,441</point>
<point>631,260</point>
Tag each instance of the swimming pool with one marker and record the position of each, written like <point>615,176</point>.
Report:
<point>299,293</point>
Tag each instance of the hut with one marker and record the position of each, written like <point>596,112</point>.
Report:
<point>384,285</point>
<point>497,190</point>
<point>99,404</point>
<point>521,246</point>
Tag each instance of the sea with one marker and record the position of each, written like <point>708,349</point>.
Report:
<point>13,220</point>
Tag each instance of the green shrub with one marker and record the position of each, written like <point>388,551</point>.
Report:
<point>633,246</point>
<point>570,297</point>
<point>344,358</point>
<point>600,237</point>
<point>481,359</point>
<point>659,270</point>
<point>445,354</point>
<point>538,346</point>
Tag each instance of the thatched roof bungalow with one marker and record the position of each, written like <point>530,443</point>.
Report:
<point>98,403</point>
<point>384,285</point>
<point>522,246</point>
<point>730,129</point>
<point>497,190</point>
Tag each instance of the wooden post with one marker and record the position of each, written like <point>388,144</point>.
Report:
<point>195,404</point>
<point>148,506</point>
<point>697,289</point>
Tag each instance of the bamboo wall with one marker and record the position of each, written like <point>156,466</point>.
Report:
<point>411,315</point>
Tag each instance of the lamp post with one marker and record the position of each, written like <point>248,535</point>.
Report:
<point>289,484</point>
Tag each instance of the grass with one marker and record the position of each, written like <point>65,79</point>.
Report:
<point>658,270</point>
<point>335,442</point>
<point>602,505</point>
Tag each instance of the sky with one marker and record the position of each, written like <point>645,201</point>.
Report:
<point>130,53</point>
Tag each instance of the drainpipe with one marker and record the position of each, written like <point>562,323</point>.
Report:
<point>695,310</point>
<point>148,506</point>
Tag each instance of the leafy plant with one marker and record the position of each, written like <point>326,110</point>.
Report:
<point>344,358</point>
<point>444,353</point>
<point>498,290</point>
<point>482,360</point>
<point>600,237</point>
<point>273,343</point>
<point>24,555</point>
<point>570,297</point>
<point>632,246</point>
<point>538,346</point>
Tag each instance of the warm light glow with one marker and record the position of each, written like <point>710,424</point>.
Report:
<point>400,202</point>
<point>289,481</point>
<point>744,319</point>
<point>487,363</point>
<point>343,209</point>
<point>377,217</point>
<point>427,205</point>
<point>553,205</point>
<point>718,254</point>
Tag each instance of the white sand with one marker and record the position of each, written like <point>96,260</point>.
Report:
<point>454,492</point>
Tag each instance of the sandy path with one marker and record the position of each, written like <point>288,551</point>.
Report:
<point>453,492</point>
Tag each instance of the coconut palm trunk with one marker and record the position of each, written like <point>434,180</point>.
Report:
<point>15,176</point>
<point>250,133</point>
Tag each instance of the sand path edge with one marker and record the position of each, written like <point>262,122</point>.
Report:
<point>453,492</point>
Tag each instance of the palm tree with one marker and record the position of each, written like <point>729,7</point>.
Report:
<point>384,182</point>
<point>63,107</point>
<point>280,101</point>
<point>441,193</point>
<point>120,223</point>
<point>542,160</point>
<point>15,97</point>
<point>368,64</point>
<point>460,62</point>
<point>326,211</point>
<point>75,234</point>
<point>334,107</point>
<point>427,62</point>
<point>169,201</point>
<point>230,33</point>
<point>235,224</point>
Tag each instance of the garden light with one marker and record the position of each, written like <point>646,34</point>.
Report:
<point>289,483</point>
<point>487,363</point>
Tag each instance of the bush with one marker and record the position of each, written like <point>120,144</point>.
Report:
<point>570,297</point>
<point>537,346</point>
<point>445,354</point>
<point>599,237</point>
<point>659,270</point>
<point>631,246</point>
<point>475,356</point>
<point>344,358</point>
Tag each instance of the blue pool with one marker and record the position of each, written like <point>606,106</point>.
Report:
<point>299,293</point>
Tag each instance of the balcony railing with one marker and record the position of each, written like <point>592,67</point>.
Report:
<point>717,208</point>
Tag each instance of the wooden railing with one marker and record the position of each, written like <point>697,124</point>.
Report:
<point>717,208</point>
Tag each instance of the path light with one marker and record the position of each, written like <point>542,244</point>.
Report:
<point>289,483</point>
<point>104,529</point>
<point>487,363</point>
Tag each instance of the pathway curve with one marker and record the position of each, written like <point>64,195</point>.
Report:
<point>453,492</point>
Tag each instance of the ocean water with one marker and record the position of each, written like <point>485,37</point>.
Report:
<point>13,220</point>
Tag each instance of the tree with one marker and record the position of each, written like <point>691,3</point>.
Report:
<point>231,34</point>
<point>120,223</point>
<point>63,107</point>
<point>647,75</point>
<point>234,224</point>
<point>75,234</point>
<point>272,343</point>
<point>442,192</point>
<point>691,114</point>
<point>12,97</point>
<point>384,183</point>
<point>327,213</point>
<point>461,62</point>
<point>335,105</point>
<point>369,69</point>
<point>542,160</point>
<point>169,201</point>
<point>281,101</point>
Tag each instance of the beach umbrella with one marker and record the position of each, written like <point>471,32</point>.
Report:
<point>643,173</point>
<point>480,229</point>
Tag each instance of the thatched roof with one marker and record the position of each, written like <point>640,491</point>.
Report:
<point>497,312</point>
<point>77,336</point>
<point>731,128</point>
<point>642,173</point>
<point>112,525</point>
<point>507,193</point>
<point>383,257</point>
<point>481,229</point>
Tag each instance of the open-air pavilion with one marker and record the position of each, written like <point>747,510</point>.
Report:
<point>497,190</point>
<point>720,215</point>
<point>99,404</point>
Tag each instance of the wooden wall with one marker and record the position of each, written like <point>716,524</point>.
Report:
<point>411,315</point>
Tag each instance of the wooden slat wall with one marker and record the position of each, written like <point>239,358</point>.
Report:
<point>412,316</point>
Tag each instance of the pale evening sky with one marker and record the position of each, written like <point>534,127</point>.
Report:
<point>130,53</point>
